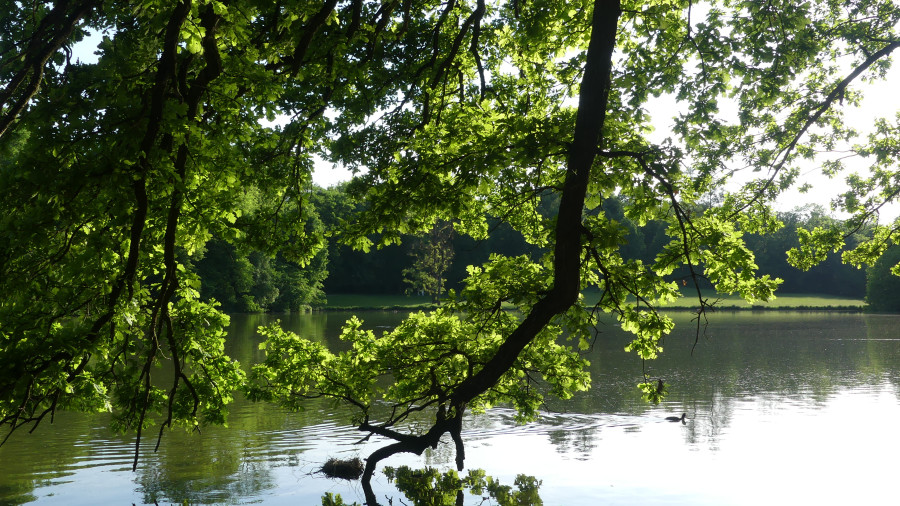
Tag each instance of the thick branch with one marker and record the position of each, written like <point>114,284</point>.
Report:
<point>592,104</point>
<point>411,444</point>
<point>315,23</point>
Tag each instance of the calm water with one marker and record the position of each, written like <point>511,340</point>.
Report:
<point>783,408</point>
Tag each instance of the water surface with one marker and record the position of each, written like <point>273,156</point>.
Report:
<point>782,408</point>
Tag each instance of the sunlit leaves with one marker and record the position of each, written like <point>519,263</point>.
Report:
<point>653,392</point>
<point>428,355</point>
<point>815,245</point>
<point>119,172</point>
<point>117,168</point>
<point>514,280</point>
<point>291,368</point>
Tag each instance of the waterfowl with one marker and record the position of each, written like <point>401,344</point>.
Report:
<point>676,418</point>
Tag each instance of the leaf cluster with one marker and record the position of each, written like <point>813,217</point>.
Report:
<point>418,365</point>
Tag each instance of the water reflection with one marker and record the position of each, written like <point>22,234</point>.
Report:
<point>767,395</point>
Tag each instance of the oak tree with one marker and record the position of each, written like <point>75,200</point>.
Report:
<point>456,110</point>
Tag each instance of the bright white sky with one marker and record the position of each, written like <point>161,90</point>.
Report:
<point>881,100</point>
<point>326,174</point>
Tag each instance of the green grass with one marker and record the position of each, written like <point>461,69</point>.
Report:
<point>367,301</point>
<point>782,301</point>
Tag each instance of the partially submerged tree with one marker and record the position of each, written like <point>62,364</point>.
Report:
<point>459,110</point>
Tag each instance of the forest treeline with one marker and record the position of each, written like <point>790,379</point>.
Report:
<point>246,280</point>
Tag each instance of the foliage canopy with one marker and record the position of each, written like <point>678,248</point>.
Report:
<point>117,171</point>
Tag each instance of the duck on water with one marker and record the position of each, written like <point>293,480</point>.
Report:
<point>677,418</point>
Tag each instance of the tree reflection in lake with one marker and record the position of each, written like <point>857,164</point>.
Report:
<point>431,487</point>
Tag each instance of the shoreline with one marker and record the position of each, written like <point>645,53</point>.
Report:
<point>784,302</point>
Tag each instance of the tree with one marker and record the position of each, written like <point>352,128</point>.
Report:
<point>354,271</point>
<point>460,111</point>
<point>433,256</point>
<point>882,284</point>
<point>831,276</point>
<point>242,281</point>
<point>453,165</point>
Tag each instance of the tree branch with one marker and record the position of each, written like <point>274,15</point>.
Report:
<point>54,30</point>
<point>836,95</point>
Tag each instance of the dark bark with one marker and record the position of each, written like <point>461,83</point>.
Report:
<point>165,74</point>
<point>408,444</point>
<point>315,23</point>
<point>125,281</point>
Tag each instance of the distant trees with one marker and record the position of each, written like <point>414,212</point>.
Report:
<point>883,286</point>
<point>396,267</point>
<point>831,277</point>
<point>245,273</point>
<point>257,282</point>
<point>351,270</point>
<point>432,256</point>
<point>249,280</point>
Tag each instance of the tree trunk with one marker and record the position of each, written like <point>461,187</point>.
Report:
<point>592,103</point>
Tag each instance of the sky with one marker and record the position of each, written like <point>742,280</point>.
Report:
<point>327,174</point>
<point>881,99</point>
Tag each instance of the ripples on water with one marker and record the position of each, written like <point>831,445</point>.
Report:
<point>501,421</point>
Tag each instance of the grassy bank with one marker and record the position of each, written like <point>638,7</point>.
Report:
<point>788,301</point>
<point>358,302</point>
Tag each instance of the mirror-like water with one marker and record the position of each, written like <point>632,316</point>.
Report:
<point>782,408</point>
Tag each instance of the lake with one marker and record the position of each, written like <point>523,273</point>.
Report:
<point>783,408</point>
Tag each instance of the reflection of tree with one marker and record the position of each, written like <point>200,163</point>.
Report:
<point>771,357</point>
<point>217,465</point>
<point>882,350</point>
<point>431,487</point>
<point>805,357</point>
<point>227,464</point>
<point>207,481</point>
<point>23,469</point>
<point>578,442</point>
<point>240,461</point>
<point>709,418</point>
<point>764,356</point>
